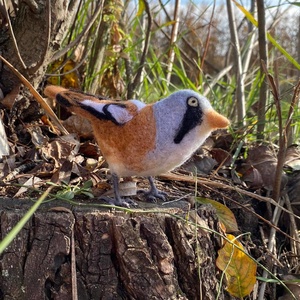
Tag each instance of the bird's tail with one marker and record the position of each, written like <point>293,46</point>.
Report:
<point>75,101</point>
<point>69,98</point>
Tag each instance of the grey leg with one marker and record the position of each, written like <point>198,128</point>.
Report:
<point>153,193</point>
<point>118,200</point>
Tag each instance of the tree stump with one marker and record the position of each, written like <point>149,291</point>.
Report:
<point>102,254</point>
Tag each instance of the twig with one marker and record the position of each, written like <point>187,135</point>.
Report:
<point>13,37</point>
<point>293,227</point>
<point>269,223</point>
<point>174,35</point>
<point>283,134</point>
<point>172,176</point>
<point>208,35</point>
<point>37,96</point>
<point>240,96</point>
<point>271,246</point>
<point>137,79</point>
<point>63,51</point>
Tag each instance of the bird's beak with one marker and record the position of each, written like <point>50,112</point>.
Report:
<point>215,120</point>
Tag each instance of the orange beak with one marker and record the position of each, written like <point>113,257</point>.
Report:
<point>215,120</point>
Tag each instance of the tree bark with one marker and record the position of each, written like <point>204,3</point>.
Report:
<point>117,255</point>
<point>38,29</point>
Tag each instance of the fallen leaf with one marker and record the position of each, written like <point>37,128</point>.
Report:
<point>37,137</point>
<point>240,269</point>
<point>252,178</point>
<point>31,182</point>
<point>260,159</point>
<point>9,99</point>
<point>200,165</point>
<point>292,281</point>
<point>222,157</point>
<point>79,125</point>
<point>62,148</point>
<point>127,188</point>
<point>292,158</point>
<point>4,147</point>
<point>225,215</point>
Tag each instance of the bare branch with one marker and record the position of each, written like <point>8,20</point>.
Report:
<point>240,95</point>
<point>137,79</point>
<point>78,39</point>
<point>263,50</point>
<point>13,36</point>
<point>174,35</point>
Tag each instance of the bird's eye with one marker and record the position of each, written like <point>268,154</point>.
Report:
<point>193,101</point>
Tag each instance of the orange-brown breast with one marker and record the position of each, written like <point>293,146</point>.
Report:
<point>129,143</point>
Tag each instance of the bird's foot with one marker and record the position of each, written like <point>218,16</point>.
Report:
<point>119,202</point>
<point>153,193</point>
<point>152,196</point>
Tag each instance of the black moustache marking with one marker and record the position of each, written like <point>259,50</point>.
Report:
<point>191,119</point>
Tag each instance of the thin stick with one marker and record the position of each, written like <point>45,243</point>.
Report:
<point>37,96</point>
<point>138,76</point>
<point>13,37</point>
<point>174,35</point>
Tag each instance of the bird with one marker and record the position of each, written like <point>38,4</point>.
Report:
<point>138,139</point>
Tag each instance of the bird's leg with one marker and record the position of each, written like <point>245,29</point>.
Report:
<point>153,193</point>
<point>118,200</point>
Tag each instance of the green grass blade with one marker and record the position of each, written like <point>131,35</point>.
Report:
<point>13,233</point>
<point>250,17</point>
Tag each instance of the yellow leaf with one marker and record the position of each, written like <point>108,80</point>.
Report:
<point>141,8</point>
<point>68,79</point>
<point>53,69</point>
<point>225,215</point>
<point>240,269</point>
<point>269,36</point>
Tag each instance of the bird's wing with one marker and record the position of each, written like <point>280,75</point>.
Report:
<point>89,106</point>
<point>113,111</point>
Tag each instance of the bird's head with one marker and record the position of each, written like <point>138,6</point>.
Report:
<point>185,110</point>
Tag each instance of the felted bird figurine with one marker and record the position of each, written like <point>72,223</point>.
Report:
<point>144,140</point>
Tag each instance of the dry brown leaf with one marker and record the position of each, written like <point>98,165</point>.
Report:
<point>81,126</point>
<point>292,158</point>
<point>292,281</point>
<point>252,178</point>
<point>37,136</point>
<point>260,159</point>
<point>200,165</point>
<point>127,188</point>
<point>62,148</point>
<point>9,100</point>
<point>31,182</point>
<point>222,157</point>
